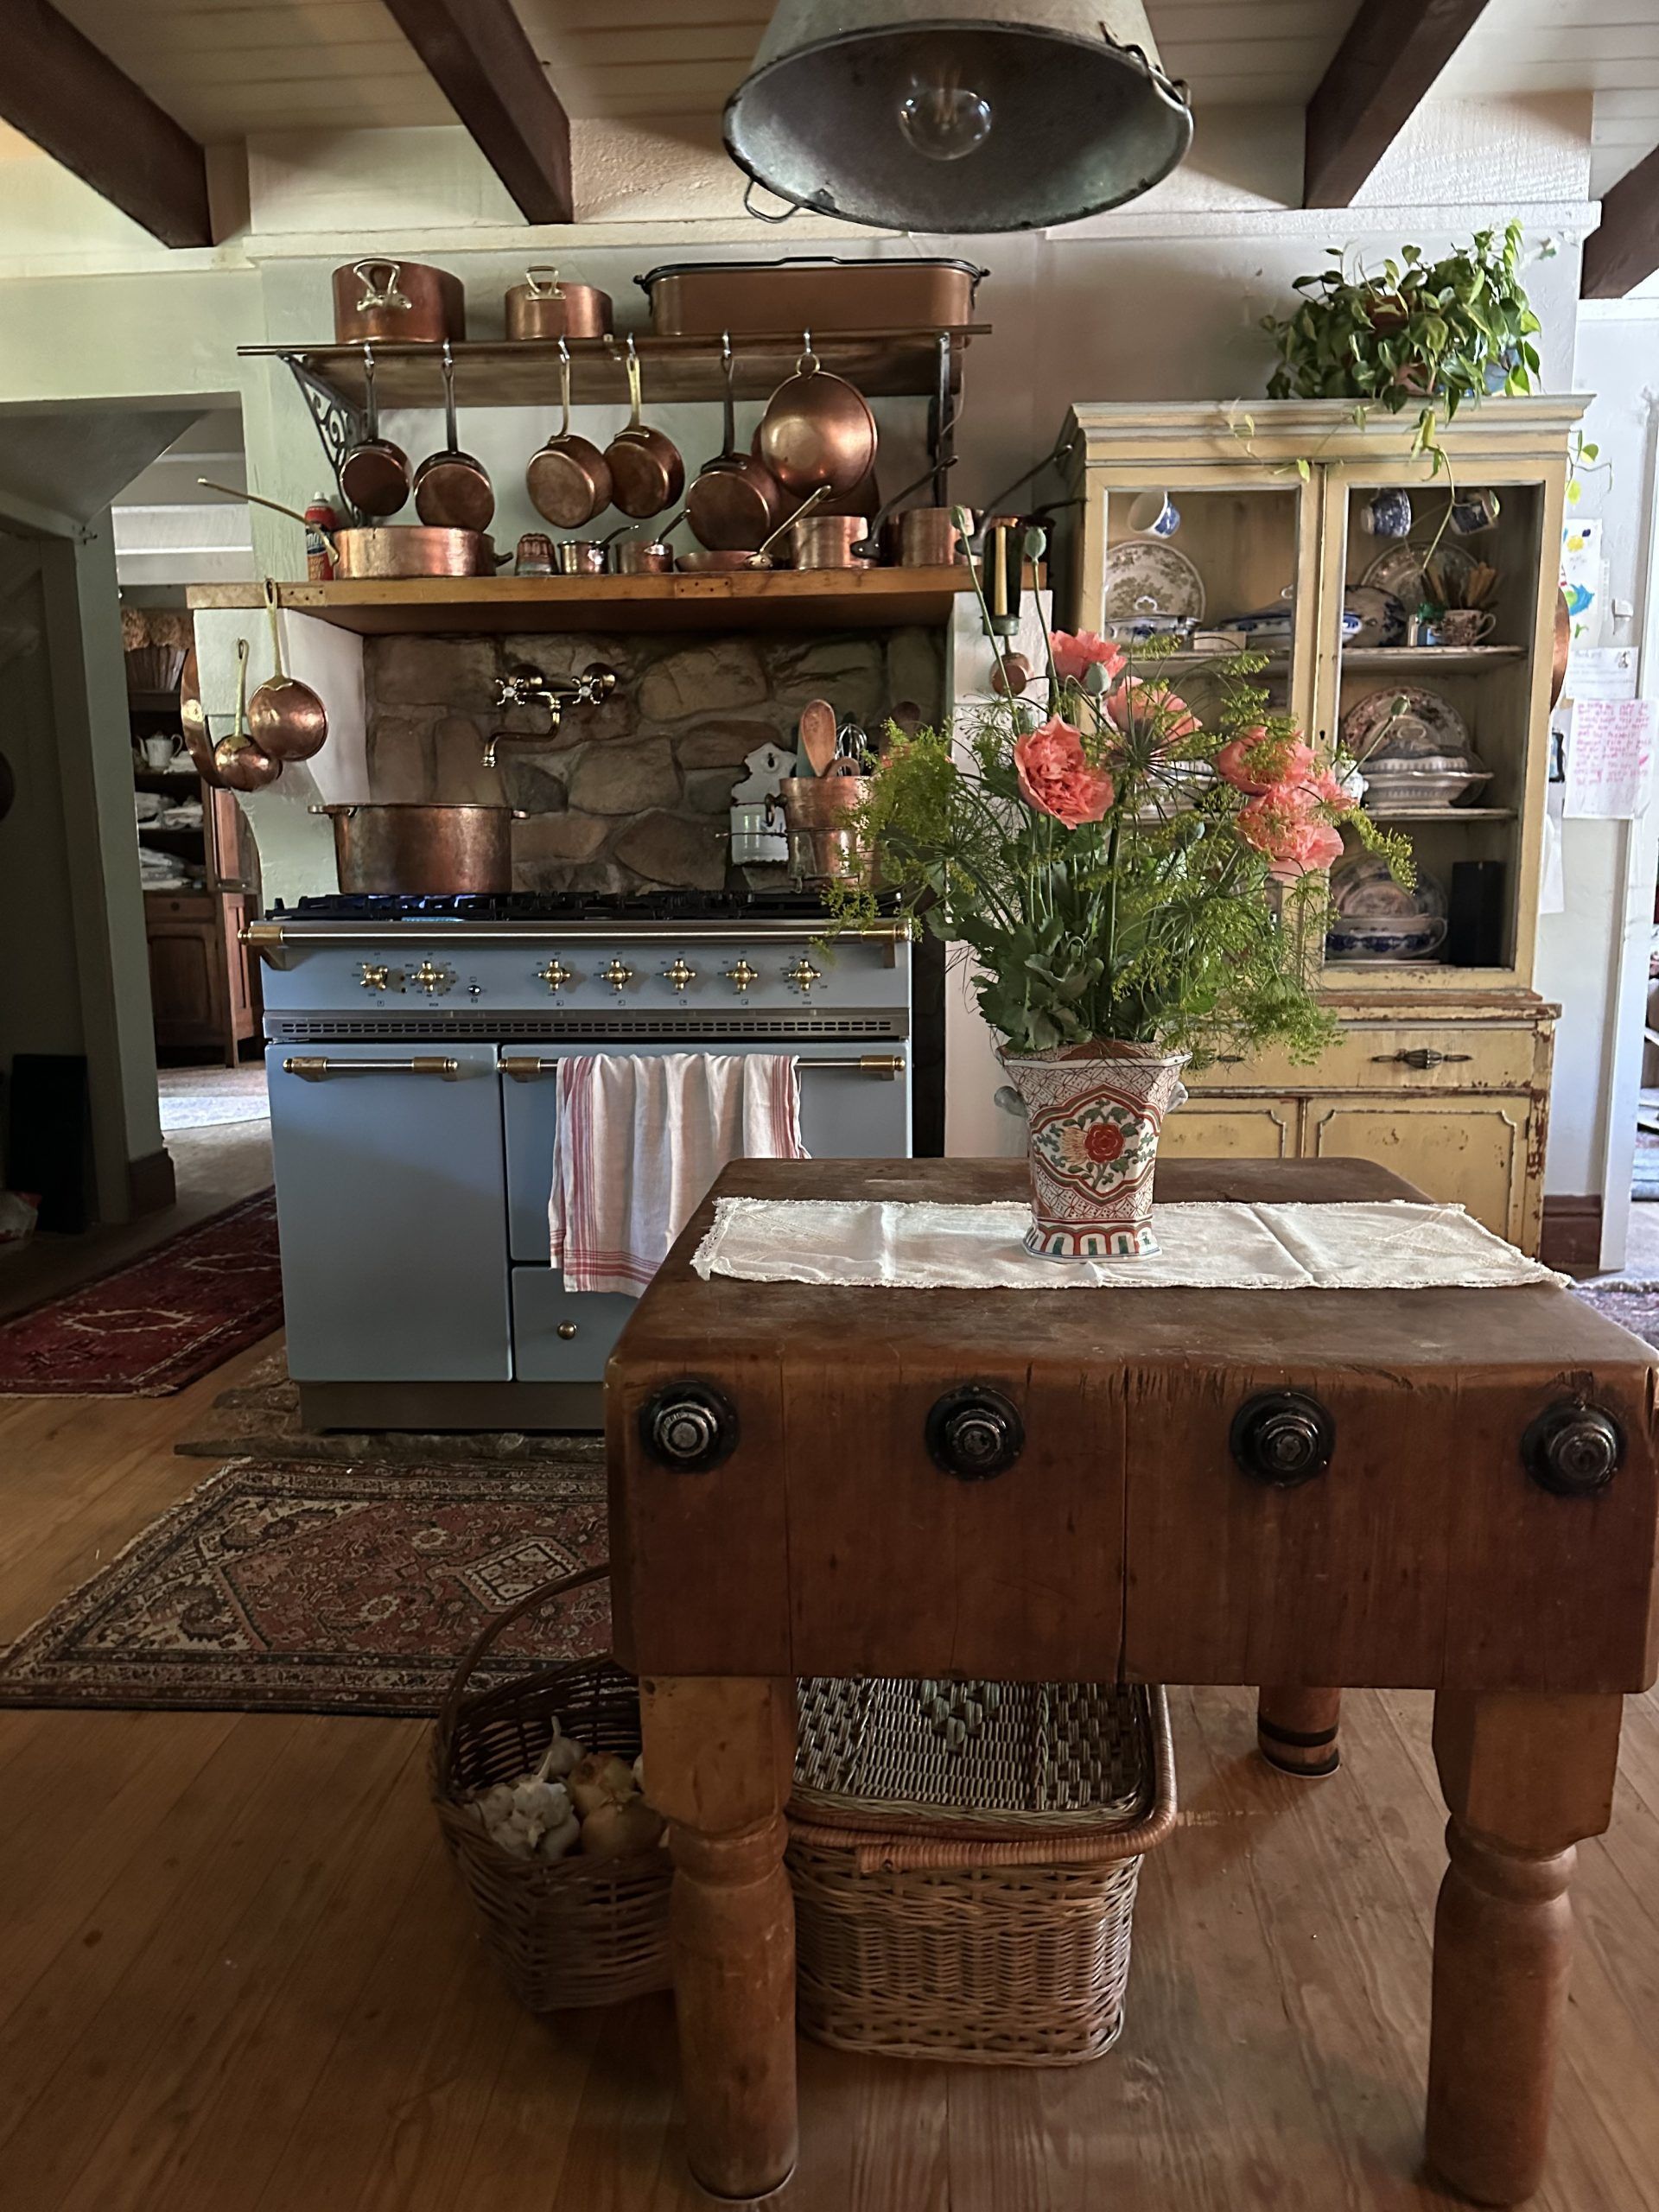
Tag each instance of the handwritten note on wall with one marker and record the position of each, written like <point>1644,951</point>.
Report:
<point>1609,757</point>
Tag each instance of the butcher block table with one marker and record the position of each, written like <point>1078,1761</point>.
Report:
<point>1311,1490</point>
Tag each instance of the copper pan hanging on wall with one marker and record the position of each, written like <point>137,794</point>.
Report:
<point>817,431</point>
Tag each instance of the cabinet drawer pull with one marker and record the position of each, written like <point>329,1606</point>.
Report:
<point>319,1071</point>
<point>1420,1056</point>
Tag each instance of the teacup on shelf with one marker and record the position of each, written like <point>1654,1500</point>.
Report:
<point>1387,513</point>
<point>1459,625</point>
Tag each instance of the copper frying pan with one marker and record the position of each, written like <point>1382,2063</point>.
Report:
<point>374,475</point>
<point>568,481</point>
<point>452,489</point>
<point>646,471</point>
<point>736,500</point>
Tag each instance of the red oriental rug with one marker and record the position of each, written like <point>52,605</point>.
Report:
<point>327,1589</point>
<point>157,1322</point>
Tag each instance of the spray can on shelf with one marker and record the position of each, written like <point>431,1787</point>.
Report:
<point>321,520</point>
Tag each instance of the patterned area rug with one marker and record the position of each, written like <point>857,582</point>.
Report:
<point>326,1589</point>
<point>157,1322</point>
<point>1633,1306</point>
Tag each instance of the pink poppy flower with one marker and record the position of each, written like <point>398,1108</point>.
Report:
<point>1256,762</point>
<point>1055,774</point>
<point>1284,823</point>
<point>1311,846</point>
<point>1140,706</point>
<point>1075,654</point>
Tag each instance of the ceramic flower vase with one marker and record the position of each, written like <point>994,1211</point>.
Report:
<point>1093,1116</point>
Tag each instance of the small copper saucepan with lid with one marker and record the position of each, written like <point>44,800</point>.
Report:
<point>544,307</point>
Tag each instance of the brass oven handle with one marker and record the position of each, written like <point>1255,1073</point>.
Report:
<point>1420,1056</point>
<point>887,1066</point>
<point>318,1071</point>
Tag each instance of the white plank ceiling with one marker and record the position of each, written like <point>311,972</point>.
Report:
<point>227,67</point>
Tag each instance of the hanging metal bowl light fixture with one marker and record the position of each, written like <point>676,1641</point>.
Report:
<point>959,115</point>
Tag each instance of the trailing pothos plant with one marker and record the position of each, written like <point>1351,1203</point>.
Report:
<point>1107,868</point>
<point>1435,335</point>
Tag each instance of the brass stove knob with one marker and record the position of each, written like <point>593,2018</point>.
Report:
<point>1573,1450</point>
<point>1282,1438</point>
<point>616,973</point>
<point>975,1433</point>
<point>742,976</point>
<point>803,975</point>
<point>690,1426</point>
<point>435,982</point>
<point>555,975</point>
<point>679,974</point>
<point>376,975</point>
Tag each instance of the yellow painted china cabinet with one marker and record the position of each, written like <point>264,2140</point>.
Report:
<point>1304,529</point>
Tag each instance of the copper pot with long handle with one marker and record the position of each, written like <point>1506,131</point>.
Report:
<point>395,550</point>
<point>736,500</point>
<point>414,847</point>
<point>374,475</point>
<point>817,429</point>
<point>647,474</point>
<point>568,481</point>
<point>452,488</point>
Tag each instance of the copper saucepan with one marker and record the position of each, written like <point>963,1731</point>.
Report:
<point>646,471</point>
<point>374,475</point>
<point>452,489</point>
<point>736,500</point>
<point>720,561</point>
<point>817,429</point>
<point>569,479</point>
<point>400,549</point>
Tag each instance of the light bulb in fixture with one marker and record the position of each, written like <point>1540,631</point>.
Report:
<point>945,120</point>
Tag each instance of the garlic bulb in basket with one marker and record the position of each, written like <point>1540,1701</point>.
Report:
<point>562,1755</point>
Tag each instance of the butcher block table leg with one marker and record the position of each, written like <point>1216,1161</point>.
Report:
<point>1296,1731</point>
<point>1526,1778</point>
<point>719,1755</point>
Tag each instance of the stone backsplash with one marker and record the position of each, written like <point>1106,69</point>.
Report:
<point>633,794</point>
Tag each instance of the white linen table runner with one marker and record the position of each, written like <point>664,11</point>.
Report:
<point>1383,1244</point>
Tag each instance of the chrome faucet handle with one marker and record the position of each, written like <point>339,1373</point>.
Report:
<point>596,682</point>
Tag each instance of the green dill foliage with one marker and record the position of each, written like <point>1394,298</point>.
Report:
<point>1155,923</point>
<point>1429,335</point>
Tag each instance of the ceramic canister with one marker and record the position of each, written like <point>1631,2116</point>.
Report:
<point>1092,1123</point>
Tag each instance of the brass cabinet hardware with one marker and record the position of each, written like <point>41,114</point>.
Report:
<point>1420,1056</point>
<point>319,1069</point>
<point>679,974</point>
<point>567,1330</point>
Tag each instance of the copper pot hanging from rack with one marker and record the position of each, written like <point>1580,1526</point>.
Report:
<point>647,474</point>
<point>817,429</point>
<point>736,500</point>
<point>451,489</point>
<point>568,481</point>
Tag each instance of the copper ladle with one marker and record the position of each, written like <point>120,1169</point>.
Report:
<point>286,718</point>
<point>238,763</point>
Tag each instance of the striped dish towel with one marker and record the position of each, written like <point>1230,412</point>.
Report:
<point>640,1139</point>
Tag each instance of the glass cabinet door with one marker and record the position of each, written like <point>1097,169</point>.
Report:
<point>1437,685</point>
<point>1205,560</point>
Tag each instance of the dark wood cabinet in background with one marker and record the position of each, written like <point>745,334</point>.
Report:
<point>202,988</point>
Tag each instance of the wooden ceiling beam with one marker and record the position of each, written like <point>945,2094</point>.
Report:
<point>1394,52</point>
<point>479,58</point>
<point>1625,247</point>
<point>72,102</point>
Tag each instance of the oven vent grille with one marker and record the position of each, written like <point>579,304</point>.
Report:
<point>552,1028</point>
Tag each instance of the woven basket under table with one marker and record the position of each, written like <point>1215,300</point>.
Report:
<point>574,1931</point>
<point>964,1859</point>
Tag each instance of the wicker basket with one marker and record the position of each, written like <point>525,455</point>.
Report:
<point>576,1931</point>
<point>964,1857</point>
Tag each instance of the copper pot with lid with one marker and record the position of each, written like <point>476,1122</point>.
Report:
<point>541,306</point>
<point>406,302</point>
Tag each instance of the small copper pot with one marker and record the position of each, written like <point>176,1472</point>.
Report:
<point>827,542</point>
<point>543,308</point>
<point>580,556</point>
<point>928,539</point>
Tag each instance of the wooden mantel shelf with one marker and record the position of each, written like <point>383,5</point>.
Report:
<point>777,599</point>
